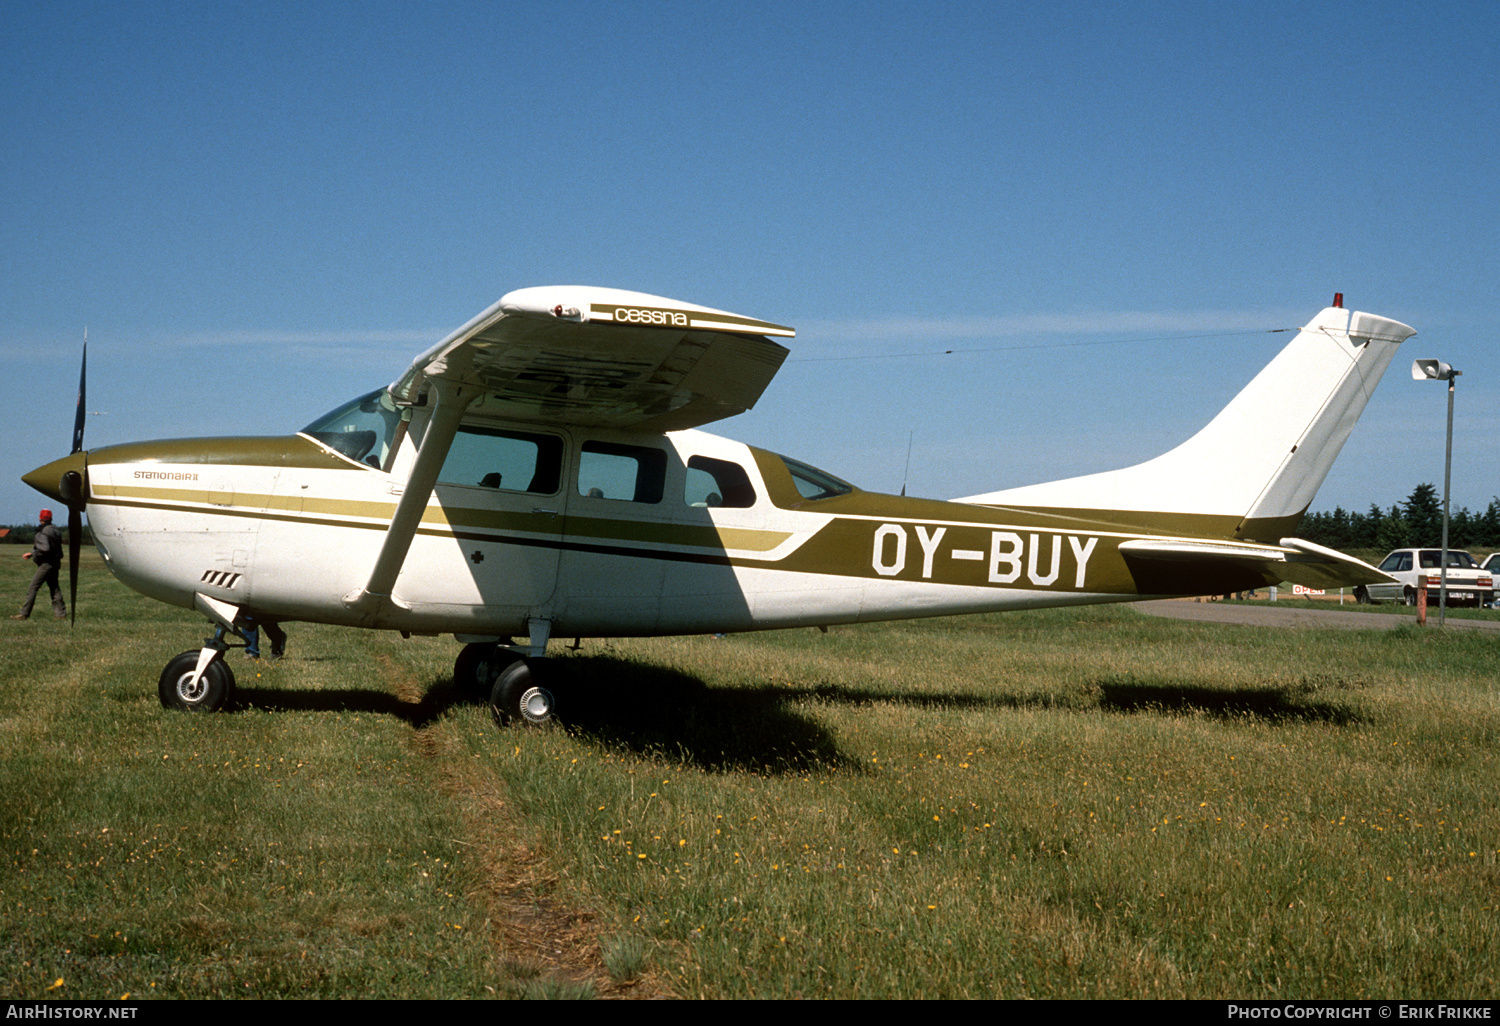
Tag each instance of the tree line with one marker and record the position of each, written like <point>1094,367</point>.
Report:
<point>24,534</point>
<point>1415,523</point>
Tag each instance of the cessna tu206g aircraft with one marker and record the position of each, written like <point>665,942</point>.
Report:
<point>539,473</point>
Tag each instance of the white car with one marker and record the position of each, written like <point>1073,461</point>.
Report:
<point>1467,581</point>
<point>1492,564</point>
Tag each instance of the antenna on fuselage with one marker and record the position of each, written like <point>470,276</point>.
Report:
<point>907,472</point>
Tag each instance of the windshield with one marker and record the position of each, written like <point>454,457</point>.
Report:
<point>363,429</point>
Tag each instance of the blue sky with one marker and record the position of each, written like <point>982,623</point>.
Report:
<point>260,210</point>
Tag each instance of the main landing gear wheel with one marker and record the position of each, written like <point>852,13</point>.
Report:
<point>474,670</point>
<point>518,697</point>
<point>213,690</point>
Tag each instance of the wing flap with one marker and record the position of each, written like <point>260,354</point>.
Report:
<point>604,358</point>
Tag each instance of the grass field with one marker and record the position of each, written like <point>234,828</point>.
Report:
<point>1076,803</point>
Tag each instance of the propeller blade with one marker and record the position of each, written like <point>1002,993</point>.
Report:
<point>76,503</point>
<point>79,417</point>
<point>75,541</point>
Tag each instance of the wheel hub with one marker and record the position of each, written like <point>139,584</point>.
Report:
<point>536,704</point>
<point>189,691</point>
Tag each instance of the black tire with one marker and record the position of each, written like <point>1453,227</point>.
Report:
<point>474,670</point>
<point>518,697</point>
<point>1361,596</point>
<point>214,691</point>
<point>1410,595</point>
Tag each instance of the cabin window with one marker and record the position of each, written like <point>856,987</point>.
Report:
<point>362,429</point>
<point>712,482</point>
<point>510,461</point>
<point>611,470</point>
<point>813,483</point>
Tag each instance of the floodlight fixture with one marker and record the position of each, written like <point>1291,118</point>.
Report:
<point>1432,370</point>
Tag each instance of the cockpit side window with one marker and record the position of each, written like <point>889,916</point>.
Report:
<point>363,429</point>
<point>511,461</point>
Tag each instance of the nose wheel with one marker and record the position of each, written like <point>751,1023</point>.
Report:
<point>182,687</point>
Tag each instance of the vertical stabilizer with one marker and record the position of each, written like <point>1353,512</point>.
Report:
<point>1266,453</point>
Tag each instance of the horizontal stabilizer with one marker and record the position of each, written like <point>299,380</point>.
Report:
<point>1300,562</point>
<point>1318,567</point>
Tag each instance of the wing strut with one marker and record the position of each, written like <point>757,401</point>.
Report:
<point>452,400</point>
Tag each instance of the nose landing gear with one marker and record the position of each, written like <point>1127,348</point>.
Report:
<point>198,680</point>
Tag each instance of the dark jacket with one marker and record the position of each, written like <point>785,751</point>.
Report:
<point>47,546</point>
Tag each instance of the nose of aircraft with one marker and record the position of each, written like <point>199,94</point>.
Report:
<point>61,480</point>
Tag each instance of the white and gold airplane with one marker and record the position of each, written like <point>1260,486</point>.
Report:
<point>539,474</point>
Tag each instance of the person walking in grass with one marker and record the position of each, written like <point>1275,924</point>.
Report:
<point>47,553</point>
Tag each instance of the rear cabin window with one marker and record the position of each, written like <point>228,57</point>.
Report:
<point>511,461</point>
<point>611,470</point>
<point>813,483</point>
<point>712,482</point>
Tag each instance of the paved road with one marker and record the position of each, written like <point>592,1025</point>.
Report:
<point>1274,616</point>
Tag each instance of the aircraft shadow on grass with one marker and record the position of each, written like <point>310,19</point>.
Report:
<point>636,706</point>
<point>1272,704</point>
<point>758,728</point>
<point>642,708</point>
<point>329,700</point>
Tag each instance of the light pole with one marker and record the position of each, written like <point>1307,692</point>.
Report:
<point>1437,370</point>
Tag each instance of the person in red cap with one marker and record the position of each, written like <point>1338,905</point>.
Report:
<point>47,553</point>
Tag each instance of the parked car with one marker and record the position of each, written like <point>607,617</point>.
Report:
<point>1467,581</point>
<point>1492,564</point>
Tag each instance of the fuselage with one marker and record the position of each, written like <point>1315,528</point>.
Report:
<point>540,470</point>
<point>601,533</point>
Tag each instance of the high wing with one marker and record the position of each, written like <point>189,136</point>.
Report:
<point>601,357</point>
<point>1295,560</point>
<point>571,354</point>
